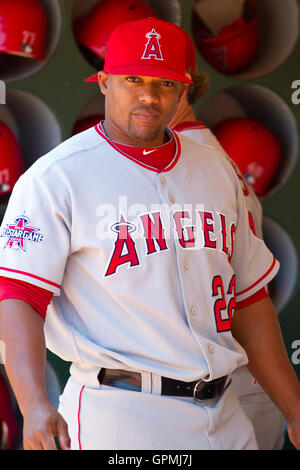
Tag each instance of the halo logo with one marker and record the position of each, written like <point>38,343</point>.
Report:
<point>152,48</point>
<point>2,92</point>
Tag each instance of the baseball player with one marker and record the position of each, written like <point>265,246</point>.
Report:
<point>267,420</point>
<point>144,250</point>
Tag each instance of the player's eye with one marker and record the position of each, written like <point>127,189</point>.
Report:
<point>168,83</point>
<point>132,78</point>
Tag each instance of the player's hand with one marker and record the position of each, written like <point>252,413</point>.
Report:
<point>41,426</point>
<point>294,433</point>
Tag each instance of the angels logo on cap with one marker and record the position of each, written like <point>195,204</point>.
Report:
<point>163,55</point>
<point>152,48</point>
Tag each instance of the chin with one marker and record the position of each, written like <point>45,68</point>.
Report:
<point>145,134</point>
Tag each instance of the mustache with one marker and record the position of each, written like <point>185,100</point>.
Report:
<point>147,109</point>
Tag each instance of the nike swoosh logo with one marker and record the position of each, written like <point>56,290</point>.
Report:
<point>147,153</point>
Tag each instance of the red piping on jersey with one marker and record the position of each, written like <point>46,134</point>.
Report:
<point>78,417</point>
<point>259,280</point>
<point>168,168</point>
<point>184,126</point>
<point>31,275</point>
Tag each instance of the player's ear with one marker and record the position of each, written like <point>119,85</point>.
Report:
<point>185,86</point>
<point>183,89</point>
<point>102,79</point>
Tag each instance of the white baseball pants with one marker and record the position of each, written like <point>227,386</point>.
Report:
<point>109,418</point>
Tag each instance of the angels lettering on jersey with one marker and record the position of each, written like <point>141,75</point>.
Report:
<point>155,230</point>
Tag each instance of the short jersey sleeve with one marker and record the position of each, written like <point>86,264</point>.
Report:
<point>254,264</point>
<point>35,232</point>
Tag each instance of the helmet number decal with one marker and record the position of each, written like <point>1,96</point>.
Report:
<point>28,42</point>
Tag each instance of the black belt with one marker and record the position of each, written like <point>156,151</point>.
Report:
<point>198,389</point>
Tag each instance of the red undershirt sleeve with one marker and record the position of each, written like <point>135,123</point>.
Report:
<point>261,294</point>
<point>36,297</point>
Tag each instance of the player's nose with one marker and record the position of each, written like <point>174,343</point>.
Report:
<point>149,94</point>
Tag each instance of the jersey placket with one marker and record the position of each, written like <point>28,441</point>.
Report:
<point>184,259</point>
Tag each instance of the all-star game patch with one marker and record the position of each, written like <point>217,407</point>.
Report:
<point>20,233</point>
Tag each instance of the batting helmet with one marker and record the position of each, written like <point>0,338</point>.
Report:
<point>93,30</point>
<point>253,147</point>
<point>9,428</point>
<point>23,26</point>
<point>236,45</point>
<point>11,161</point>
<point>87,122</point>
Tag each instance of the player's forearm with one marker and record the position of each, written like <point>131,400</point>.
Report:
<point>257,329</point>
<point>22,332</point>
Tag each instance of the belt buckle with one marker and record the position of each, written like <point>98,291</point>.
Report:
<point>196,389</point>
<point>216,388</point>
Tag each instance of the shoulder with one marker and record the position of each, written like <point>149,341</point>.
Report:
<point>200,133</point>
<point>76,148</point>
<point>187,140</point>
<point>200,155</point>
<point>203,135</point>
<point>189,125</point>
<point>201,149</point>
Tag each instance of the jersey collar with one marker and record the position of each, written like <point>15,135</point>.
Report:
<point>157,159</point>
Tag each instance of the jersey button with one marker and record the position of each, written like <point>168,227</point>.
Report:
<point>194,310</point>
<point>211,348</point>
<point>186,265</point>
<point>163,180</point>
<point>172,198</point>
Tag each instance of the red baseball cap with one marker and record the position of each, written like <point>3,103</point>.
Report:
<point>150,47</point>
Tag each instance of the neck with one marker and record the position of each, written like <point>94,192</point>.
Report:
<point>184,111</point>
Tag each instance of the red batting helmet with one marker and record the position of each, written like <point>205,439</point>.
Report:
<point>11,161</point>
<point>93,30</point>
<point>87,122</point>
<point>253,147</point>
<point>23,26</point>
<point>236,45</point>
<point>9,427</point>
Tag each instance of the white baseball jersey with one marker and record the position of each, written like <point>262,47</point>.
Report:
<point>202,134</point>
<point>267,420</point>
<point>243,382</point>
<point>145,266</point>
